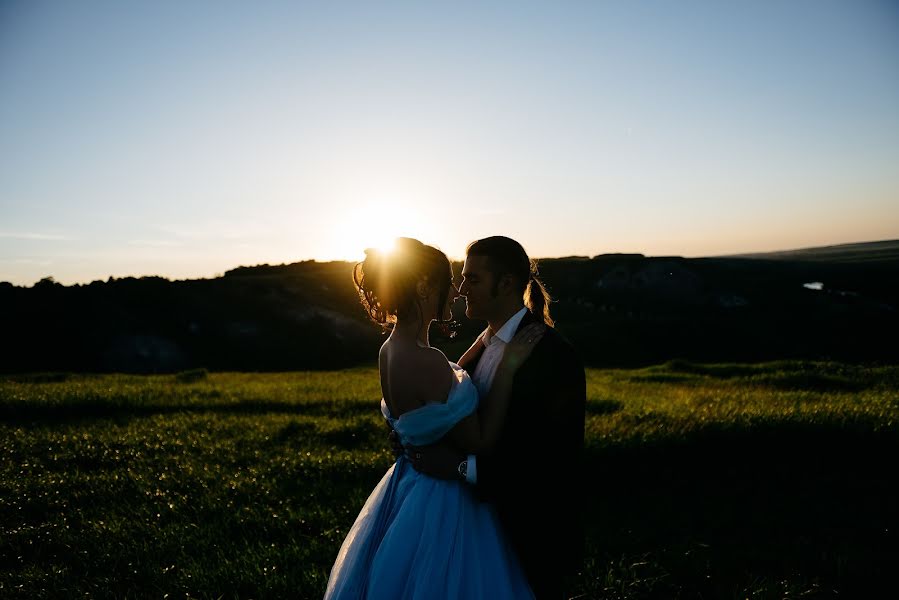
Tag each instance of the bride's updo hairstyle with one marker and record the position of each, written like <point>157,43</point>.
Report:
<point>387,280</point>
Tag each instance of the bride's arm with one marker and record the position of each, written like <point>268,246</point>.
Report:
<point>478,432</point>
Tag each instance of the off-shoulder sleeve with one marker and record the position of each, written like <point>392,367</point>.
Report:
<point>429,423</point>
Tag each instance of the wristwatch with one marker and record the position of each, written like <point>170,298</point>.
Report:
<point>463,469</point>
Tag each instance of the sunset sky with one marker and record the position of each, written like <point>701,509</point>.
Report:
<point>183,139</point>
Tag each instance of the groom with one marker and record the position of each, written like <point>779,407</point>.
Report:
<point>532,476</point>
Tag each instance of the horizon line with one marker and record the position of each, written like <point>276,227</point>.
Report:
<point>458,259</point>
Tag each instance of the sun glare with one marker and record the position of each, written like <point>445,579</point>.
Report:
<point>368,228</point>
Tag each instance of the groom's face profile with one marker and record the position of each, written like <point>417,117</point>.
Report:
<point>477,287</point>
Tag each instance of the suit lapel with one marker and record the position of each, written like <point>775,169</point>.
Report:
<point>530,363</point>
<point>474,362</point>
<point>526,320</point>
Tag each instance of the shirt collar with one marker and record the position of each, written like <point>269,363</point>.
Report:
<point>507,331</point>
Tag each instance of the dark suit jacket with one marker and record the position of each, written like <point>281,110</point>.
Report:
<point>533,475</point>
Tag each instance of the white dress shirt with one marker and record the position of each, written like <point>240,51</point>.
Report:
<point>494,347</point>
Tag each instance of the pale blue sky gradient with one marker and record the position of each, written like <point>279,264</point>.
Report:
<point>186,138</point>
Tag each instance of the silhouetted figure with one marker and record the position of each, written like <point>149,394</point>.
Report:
<point>419,536</point>
<point>532,475</point>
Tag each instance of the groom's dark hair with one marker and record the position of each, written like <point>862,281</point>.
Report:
<point>505,255</point>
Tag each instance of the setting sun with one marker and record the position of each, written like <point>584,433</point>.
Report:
<point>376,226</point>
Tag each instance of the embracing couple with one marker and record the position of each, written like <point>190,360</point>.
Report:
<point>484,498</point>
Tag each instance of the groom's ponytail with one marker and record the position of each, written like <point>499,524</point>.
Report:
<point>505,255</point>
<point>537,299</point>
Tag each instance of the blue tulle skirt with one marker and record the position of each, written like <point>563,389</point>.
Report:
<point>423,538</point>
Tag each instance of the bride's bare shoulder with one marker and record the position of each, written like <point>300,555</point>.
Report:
<point>434,376</point>
<point>416,376</point>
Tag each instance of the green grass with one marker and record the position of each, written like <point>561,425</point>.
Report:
<point>716,481</point>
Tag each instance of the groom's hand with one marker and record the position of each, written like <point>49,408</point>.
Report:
<point>438,460</point>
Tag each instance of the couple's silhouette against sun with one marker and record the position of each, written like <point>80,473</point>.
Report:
<point>484,498</point>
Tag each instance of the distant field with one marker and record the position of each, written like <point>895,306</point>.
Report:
<point>715,481</point>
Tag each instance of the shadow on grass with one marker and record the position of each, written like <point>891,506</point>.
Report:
<point>783,375</point>
<point>777,510</point>
<point>189,376</point>
<point>39,377</point>
<point>813,382</point>
<point>603,407</point>
<point>39,414</point>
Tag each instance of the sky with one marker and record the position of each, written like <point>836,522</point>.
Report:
<point>183,139</point>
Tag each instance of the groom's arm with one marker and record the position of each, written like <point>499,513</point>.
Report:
<point>440,460</point>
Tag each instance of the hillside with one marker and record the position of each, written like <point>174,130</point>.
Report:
<point>619,309</point>
<point>885,251</point>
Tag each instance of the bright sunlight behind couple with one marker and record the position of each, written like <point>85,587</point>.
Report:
<point>376,226</point>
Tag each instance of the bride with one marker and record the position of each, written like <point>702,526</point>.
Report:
<point>417,536</point>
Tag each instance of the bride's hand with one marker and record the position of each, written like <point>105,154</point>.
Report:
<point>520,347</point>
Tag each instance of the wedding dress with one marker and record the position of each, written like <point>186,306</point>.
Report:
<point>423,538</point>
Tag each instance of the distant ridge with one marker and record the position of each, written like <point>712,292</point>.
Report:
<point>882,251</point>
<point>833,303</point>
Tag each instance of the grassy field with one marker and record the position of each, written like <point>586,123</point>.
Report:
<point>776,480</point>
